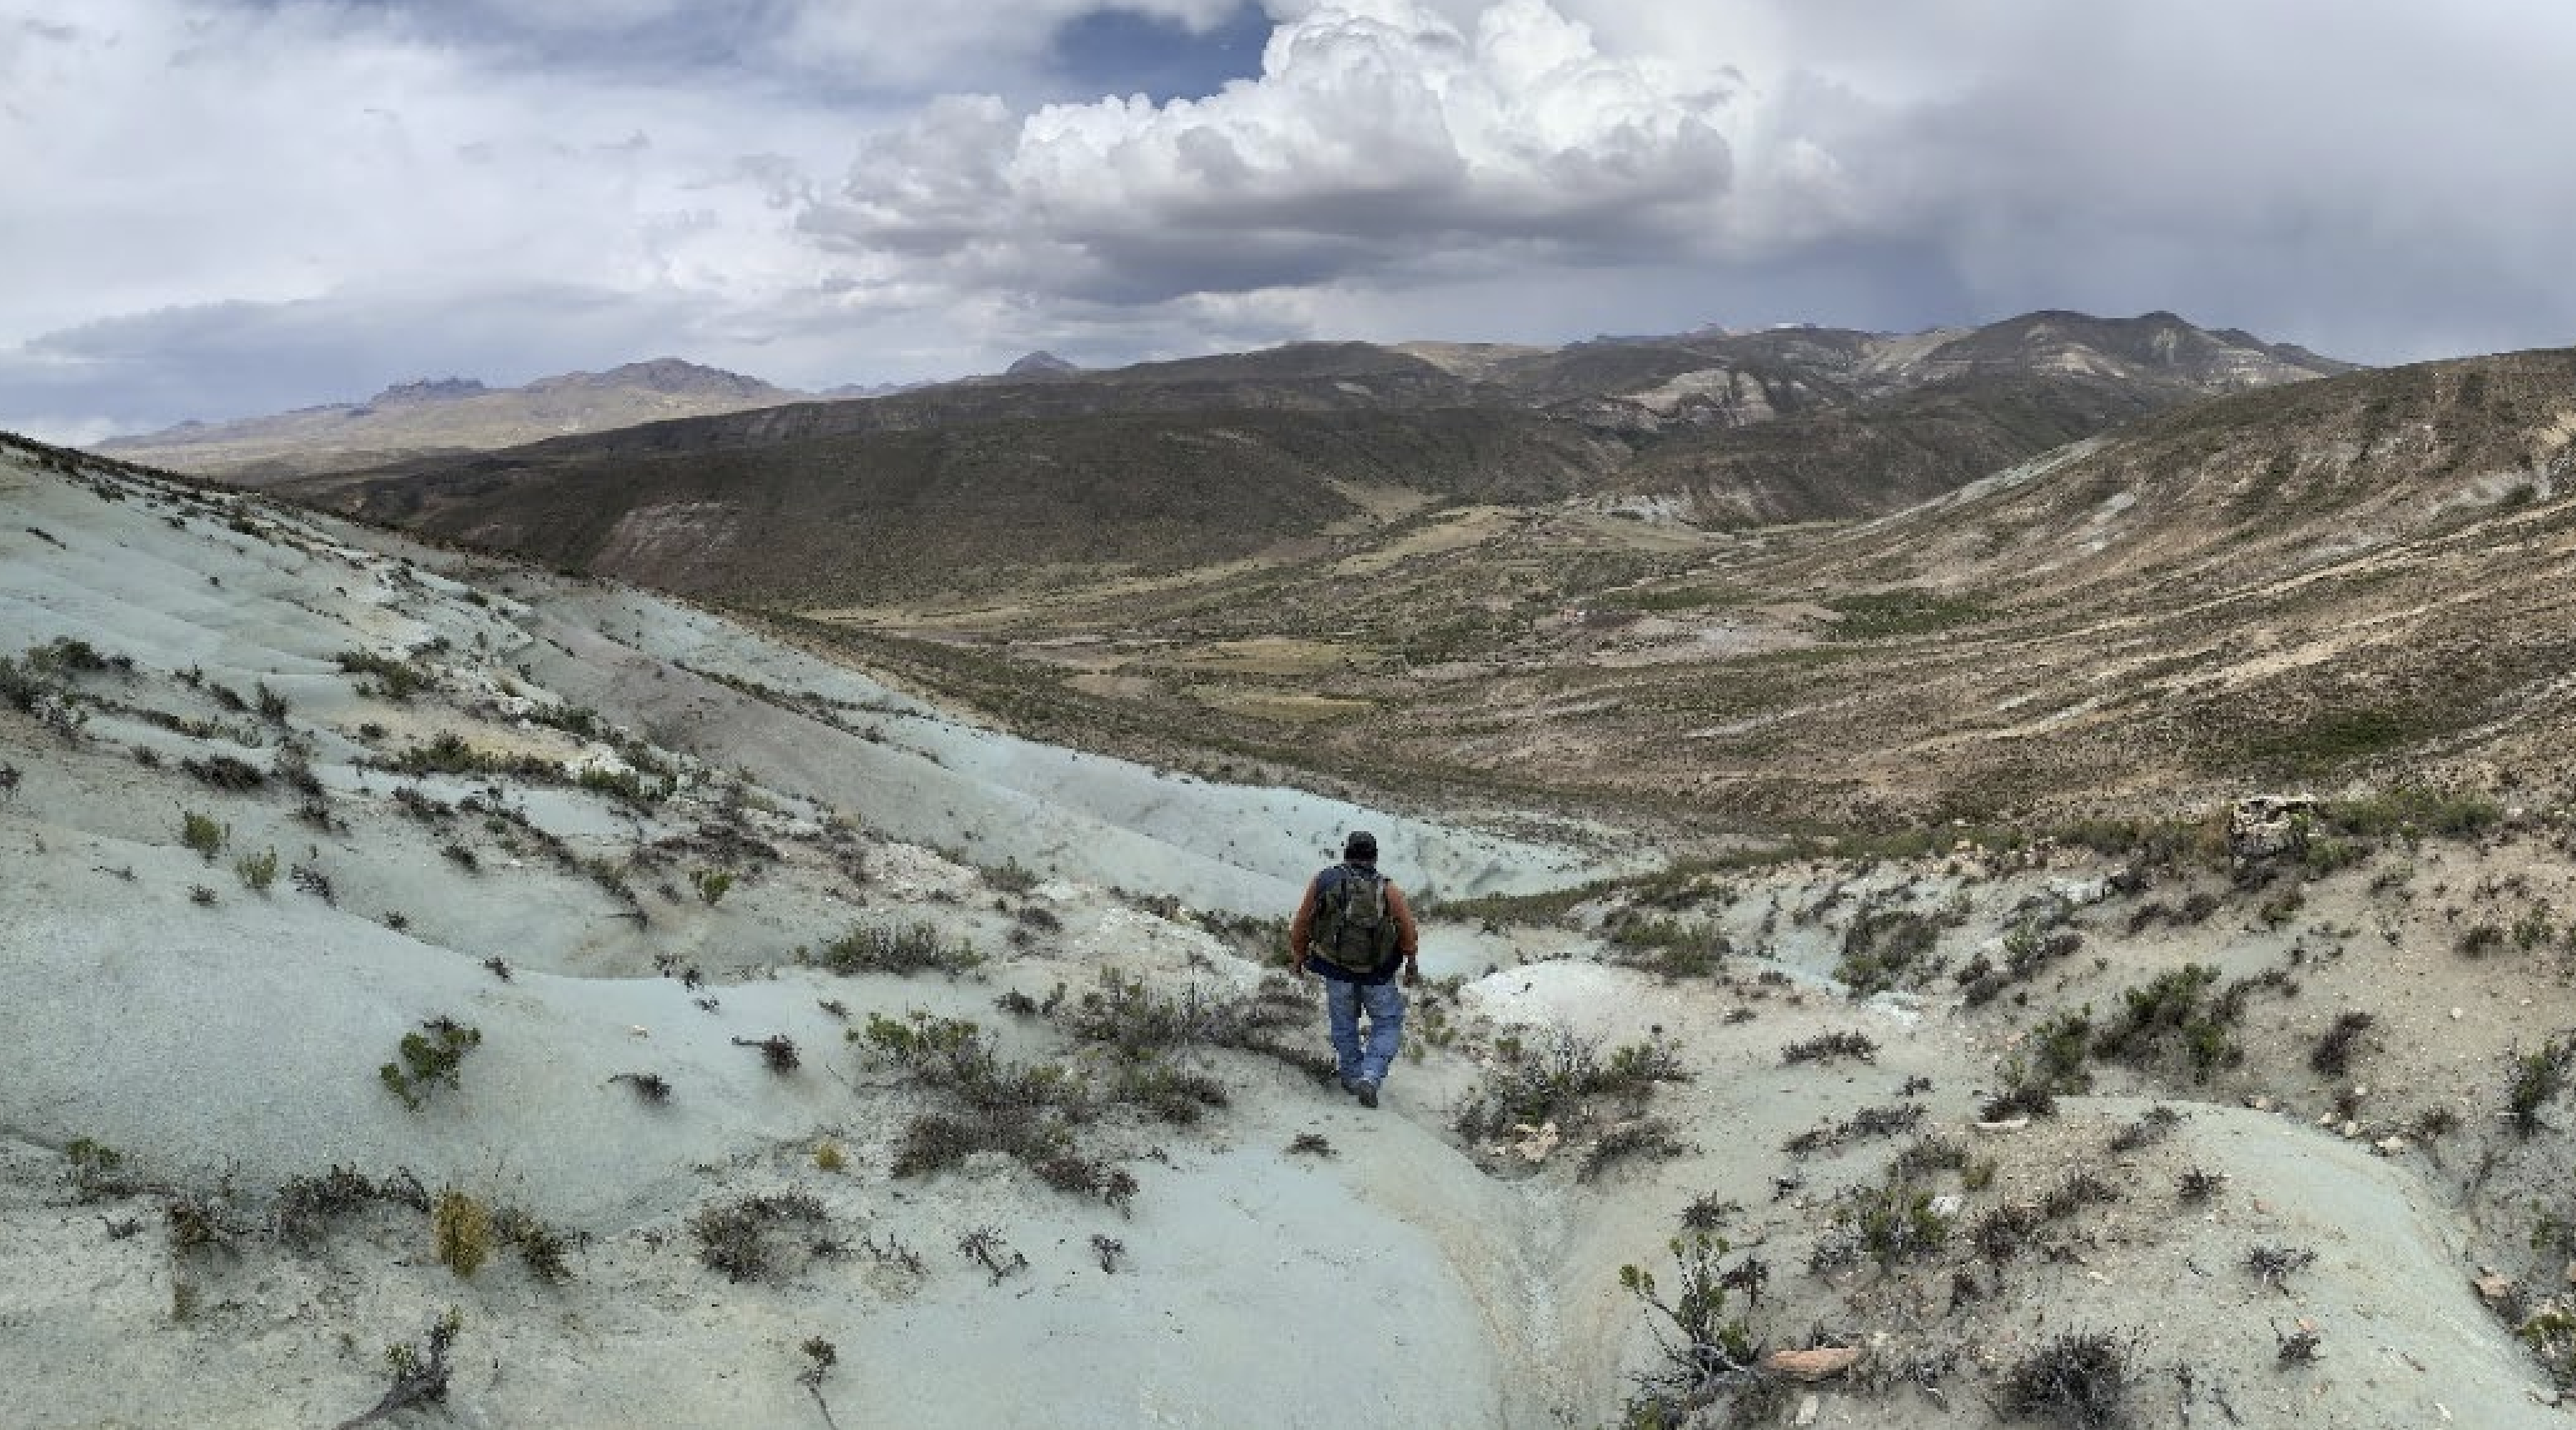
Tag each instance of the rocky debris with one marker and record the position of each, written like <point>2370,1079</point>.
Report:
<point>1531,1144</point>
<point>2494,1287</point>
<point>2268,826</point>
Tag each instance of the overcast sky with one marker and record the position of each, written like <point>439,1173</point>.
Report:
<point>222,207</point>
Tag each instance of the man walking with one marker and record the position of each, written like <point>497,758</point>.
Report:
<point>1353,929</point>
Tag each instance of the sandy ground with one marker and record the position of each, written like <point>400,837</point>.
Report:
<point>228,1043</point>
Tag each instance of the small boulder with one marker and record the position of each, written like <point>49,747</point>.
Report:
<point>1819,1363</point>
<point>2268,826</point>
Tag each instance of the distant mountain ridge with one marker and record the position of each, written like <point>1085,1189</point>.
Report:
<point>446,415</point>
<point>1164,464</point>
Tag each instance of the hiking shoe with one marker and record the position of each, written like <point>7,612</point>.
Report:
<point>1351,1085</point>
<point>1367,1091</point>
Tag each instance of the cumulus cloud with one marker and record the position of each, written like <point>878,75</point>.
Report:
<point>1377,129</point>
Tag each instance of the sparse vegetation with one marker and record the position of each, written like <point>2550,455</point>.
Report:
<point>711,885</point>
<point>651,1087</point>
<point>225,772</point>
<point>2332,1055</point>
<point>429,1059</point>
<point>777,1050</point>
<point>2078,1380</point>
<point>1827,1047</point>
<point>420,1373</point>
<point>751,1238</point>
<point>2273,1265</point>
<point>1557,1081</point>
<point>257,871</point>
<point>984,1246</point>
<point>914,948</point>
<point>1637,1137</point>
<point>2533,1078</point>
<point>203,834</point>
<point>396,680</point>
<point>1707,1353</point>
<point>461,1224</point>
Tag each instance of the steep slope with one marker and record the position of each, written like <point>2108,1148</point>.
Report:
<point>450,415</point>
<point>1867,457</point>
<point>2363,577</point>
<point>1867,423</point>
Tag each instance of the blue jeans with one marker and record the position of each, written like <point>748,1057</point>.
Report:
<point>1343,1001</point>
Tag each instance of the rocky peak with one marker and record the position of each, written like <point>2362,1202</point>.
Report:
<point>1039,364</point>
<point>672,376</point>
<point>440,389</point>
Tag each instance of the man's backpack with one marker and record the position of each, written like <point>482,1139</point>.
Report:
<point>1354,928</point>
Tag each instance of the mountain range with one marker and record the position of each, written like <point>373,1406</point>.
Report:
<point>1220,457</point>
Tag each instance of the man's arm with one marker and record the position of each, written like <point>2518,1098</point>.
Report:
<point>1301,928</point>
<point>1408,939</point>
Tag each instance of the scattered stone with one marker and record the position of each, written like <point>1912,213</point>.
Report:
<point>2259,1103</point>
<point>2571,1273</point>
<point>2391,1146</point>
<point>2458,1013</point>
<point>2494,1287</point>
<point>1819,1363</point>
<point>1808,1406</point>
<point>2009,1124</point>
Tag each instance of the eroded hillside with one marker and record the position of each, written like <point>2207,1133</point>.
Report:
<point>638,1018</point>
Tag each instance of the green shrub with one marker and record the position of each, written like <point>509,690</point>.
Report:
<point>1886,949</point>
<point>1558,1080</point>
<point>711,885</point>
<point>622,784</point>
<point>429,1058</point>
<point>2079,1380</point>
<point>742,1238</point>
<point>2413,811</point>
<point>461,1226</point>
<point>2533,1078</point>
<point>1889,1222</point>
<point>202,834</point>
<point>396,680</point>
<point>1705,1350</point>
<point>869,948</point>
<point>224,772</point>
<point>257,871</point>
